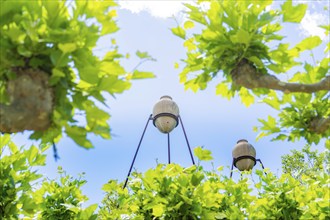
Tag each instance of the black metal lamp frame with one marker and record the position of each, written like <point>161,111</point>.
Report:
<point>235,160</point>
<point>177,119</point>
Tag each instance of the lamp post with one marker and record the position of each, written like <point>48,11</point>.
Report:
<point>165,117</point>
<point>244,156</point>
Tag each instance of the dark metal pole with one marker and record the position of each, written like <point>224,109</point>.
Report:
<point>185,135</point>
<point>169,148</point>
<point>261,163</point>
<point>137,150</point>
<point>232,167</point>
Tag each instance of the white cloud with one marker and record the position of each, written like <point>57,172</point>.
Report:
<point>161,9</point>
<point>311,21</point>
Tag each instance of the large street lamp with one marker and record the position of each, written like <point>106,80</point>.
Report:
<point>165,117</point>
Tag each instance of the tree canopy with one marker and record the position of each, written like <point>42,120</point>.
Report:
<point>239,45</point>
<point>50,78</point>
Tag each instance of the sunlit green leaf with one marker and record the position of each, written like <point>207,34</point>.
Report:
<point>142,55</point>
<point>180,32</point>
<point>309,43</point>
<point>158,210</point>
<point>293,13</point>
<point>246,97</point>
<point>188,24</point>
<point>142,75</point>
<point>67,47</point>
<point>79,135</point>
<point>256,61</point>
<point>241,36</point>
<point>203,154</point>
<point>113,85</point>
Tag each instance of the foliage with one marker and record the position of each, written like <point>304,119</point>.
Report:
<point>306,162</point>
<point>173,192</point>
<point>24,194</point>
<point>219,35</point>
<point>58,37</point>
<point>63,199</point>
<point>17,177</point>
<point>298,118</point>
<point>165,192</point>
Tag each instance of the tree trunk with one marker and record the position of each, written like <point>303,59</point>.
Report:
<point>30,102</point>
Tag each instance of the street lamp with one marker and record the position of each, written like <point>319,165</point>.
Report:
<point>165,117</point>
<point>244,156</point>
<point>165,114</point>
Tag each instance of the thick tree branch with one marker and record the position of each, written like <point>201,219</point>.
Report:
<point>31,102</point>
<point>246,75</point>
<point>320,125</point>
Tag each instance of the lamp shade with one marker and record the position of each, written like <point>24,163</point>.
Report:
<point>244,155</point>
<point>165,114</point>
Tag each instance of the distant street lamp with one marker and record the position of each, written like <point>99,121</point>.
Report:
<point>165,117</point>
<point>244,156</point>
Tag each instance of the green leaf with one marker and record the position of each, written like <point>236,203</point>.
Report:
<point>180,32</point>
<point>197,178</point>
<point>256,61</point>
<point>158,210</point>
<point>195,14</point>
<point>88,212</point>
<point>241,37</point>
<point>111,55</point>
<point>293,13</point>
<point>189,44</point>
<point>142,75</point>
<point>246,97</point>
<point>15,34</point>
<point>13,148</point>
<point>142,55</point>
<point>32,153</point>
<point>109,27</point>
<point>4,140</point>
<point>222,89</point>
<point>309,43</point>
<point>261,135</point>
<point>89,74</point>
<point>79,135</point>
<point>56,75</point>
<point>67,47</point>
<point>272,102</point>
<point>327,144</point>
<point>203,154</point>
<point>22,50</point>
<point>112,68</point>
<point>59,59</point>
<point>269,125</point>
<point>188,25</point>
<point>113,85</point>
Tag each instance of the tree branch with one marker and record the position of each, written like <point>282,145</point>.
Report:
<point>245,74</point>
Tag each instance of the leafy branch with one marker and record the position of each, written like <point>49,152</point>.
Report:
<point>239,44</point>
<point>246,74</point>
<point>49,72</point>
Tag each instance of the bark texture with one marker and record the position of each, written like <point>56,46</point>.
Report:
<point>246,75</point>
<point>320,125</point>
<point>31,102</point>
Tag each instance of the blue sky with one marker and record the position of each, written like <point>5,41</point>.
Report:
<point>210,121</point>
